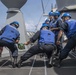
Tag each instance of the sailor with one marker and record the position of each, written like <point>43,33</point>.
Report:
<point>69,28</point>
<point>47,21</point>
<point>55,28</point>
<point>51,18</point>
<point>46,44</point>
<point>9,37</point>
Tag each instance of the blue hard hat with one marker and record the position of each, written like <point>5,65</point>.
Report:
<point>15,23</point>
<point>56,13</point>
<point>51,13</point>
<point>66,15</point>
<point>45,25</point>
<point>47,20</point>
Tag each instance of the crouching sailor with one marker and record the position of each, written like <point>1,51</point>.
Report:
<point>46,44</point>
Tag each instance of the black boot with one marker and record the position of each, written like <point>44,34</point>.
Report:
<point>49,63</point>
<point>19,63</point>
<point>14,62</point>
<point>58,63</point>
<point>53,59</point>
<point>13,65</point>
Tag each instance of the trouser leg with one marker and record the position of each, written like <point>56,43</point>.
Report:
<point>48,49</point>
<point>59,47</point>
<point>69,46</point>
<point>14,50</point>
<point>14,54</point>
<point>35,50</point>
<point>12,47</point>
<point>64,52</point>
<point>32,51</point>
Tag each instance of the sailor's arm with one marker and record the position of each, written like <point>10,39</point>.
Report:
<point>59,36</point>
<point>63,28</point>
<point>58,28</point>
<point>33,39</point>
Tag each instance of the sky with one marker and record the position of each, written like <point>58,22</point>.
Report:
<point>32,12</point>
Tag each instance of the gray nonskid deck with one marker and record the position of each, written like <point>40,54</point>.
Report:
<point>38,66</point>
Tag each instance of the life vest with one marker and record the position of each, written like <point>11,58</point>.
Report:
<point>10,34</point>
<point>47,37</point>
<point>71,27</point>
<point>54,25</point>
<point>51,23</point>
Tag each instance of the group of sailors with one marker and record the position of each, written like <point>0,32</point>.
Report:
<point>50,38</point>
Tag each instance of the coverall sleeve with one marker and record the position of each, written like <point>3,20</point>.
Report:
<point>35,37</point>
<point>64,26</point>
<point>59,23</point>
